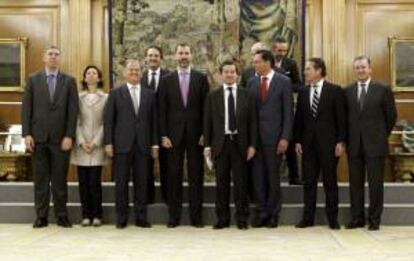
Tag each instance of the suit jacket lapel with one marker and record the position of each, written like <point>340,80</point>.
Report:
<point>127,97</point>
<point>323,96</point>
<point>144,79</point>
<point>58,87</point>
<point>240,100</point>
<point>43,85</point>
<point>177,88</point>
<point>307,100</point>
<point>370,93</point>
<point>190,87</point>
<point>142,102</point>
<point>220,102</point>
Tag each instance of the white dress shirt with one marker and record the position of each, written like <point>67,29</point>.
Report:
<point>135,89</point>
<point>318,89</point>
<point>157,77</point>
<point>226,106</point>
<point>366,87</point>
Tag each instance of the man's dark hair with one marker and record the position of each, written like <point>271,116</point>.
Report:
<point>228,62</point>
<point>184,44</point>
<point>156,48</point>
<point>318,63</point>
<point>267,56</point>
<point>279,39</point>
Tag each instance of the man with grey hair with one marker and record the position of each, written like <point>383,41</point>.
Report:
<point>49,113</point>
<point>130,137</point>
<point>371,118</point>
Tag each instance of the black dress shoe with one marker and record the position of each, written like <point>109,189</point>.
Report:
<point>142,223</point>
<point>334,225</point>
<point>296,182</point>
<point>198,225</point>
<point>355,224</point>
<point>221,225</point>
<point>63,222</point>
<point>172,224</point>
<point>373,227</point>
<point>242,225</point>
<point>121,225</point>
<point>304,224</point>
<point>40,222</point>
<point>273,223</point>
<point>259,222</point>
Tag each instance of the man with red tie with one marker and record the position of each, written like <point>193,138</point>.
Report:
<point>272,93</point>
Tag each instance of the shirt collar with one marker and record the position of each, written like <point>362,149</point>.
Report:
<point>48,73</point>
<point>157,72</point>
<point>319,84</point>
<point>233,86</point>
<point>367,82</point>
<point>269,76</point>
<point>180,70</point>
<point>130,86</point>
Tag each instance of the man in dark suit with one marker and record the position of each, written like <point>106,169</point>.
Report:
<point>131,138</point>
<point>320,132</point>
<point>182,95</point>
<point>151,79</point>
<point>371,118</point>
<point>230,137</point>
<point>289,68</point>
<point>272,93</point>
<point>49,113</point>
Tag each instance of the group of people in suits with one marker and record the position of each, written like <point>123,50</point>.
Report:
<point>172,117</point>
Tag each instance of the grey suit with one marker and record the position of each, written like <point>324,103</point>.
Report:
<point>48,122</point>
<point>368,131</point>
<point>275,117</point>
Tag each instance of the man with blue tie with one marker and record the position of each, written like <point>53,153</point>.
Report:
<point>272,93</point>
<point>319,133</point>
<point>371,118</point>
<point>49,114</point>
<point>182,95</point>
<point>131,139</point>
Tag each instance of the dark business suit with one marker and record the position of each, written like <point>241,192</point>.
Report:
<point>275,118</point>
<point>183,125</point>
<point>132,136</point>
<point>318,137</point>
<point>48,121</point>
<point>250,72</point>
<point>368,131</point>
<point>290,69</point>
<point>230,152</point>
<point>162,158</point>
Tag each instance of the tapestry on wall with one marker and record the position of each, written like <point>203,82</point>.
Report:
<point>216,30</point>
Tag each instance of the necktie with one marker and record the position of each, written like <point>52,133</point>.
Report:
<point>315,102</point>
<point>184,88</point>
<point>135,98</point>
<point>51,85</point>
<point>152,82</point>
<point>263,88</point>
<point>231,110</point>
<point>362,95</point>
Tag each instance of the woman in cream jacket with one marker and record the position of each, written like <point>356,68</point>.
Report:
<point>88,154</point>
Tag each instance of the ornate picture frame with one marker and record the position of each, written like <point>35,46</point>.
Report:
<point>12,64</point>
<point>402,63</point>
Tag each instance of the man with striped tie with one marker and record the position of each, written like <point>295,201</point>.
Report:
<point>319,134</point>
